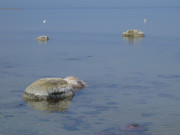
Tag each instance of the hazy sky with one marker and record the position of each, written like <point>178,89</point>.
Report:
<point>87,3</point>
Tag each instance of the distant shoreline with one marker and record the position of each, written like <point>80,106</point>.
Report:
<point>11,8</point>
<point>111,7</point>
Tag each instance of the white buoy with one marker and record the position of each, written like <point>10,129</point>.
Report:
<point>44,21</point>
<point>145,20</point>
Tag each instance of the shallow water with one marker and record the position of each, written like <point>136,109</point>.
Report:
<point>129,81</point>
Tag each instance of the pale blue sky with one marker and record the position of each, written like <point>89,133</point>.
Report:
<point>87,3</point>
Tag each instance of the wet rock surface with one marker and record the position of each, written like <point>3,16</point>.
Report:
<point>133,33</point>
<point>53,88</point>
<point>42,38</point>
<point>48,89</point>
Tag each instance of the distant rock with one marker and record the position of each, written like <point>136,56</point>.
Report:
<point>42,38</point>
<point>133,33</point>
<point>53,88</point>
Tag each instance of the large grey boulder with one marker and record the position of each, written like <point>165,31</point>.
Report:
<point>133,33</point>
<point>52,88</point>
<point>48,89</point>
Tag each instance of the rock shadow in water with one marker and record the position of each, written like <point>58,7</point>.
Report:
<point>51,106</point>
<point>132,40</point>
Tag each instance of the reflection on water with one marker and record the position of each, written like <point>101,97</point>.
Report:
<point>42,42</point>
<point>132,40</point>
<point>61,105</point>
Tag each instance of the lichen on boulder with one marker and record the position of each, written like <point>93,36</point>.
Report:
<point>133,33</point>
<point>48,89</point>
<point>53,88</point>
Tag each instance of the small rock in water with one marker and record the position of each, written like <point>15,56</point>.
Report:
<point>133,33</point>
<point>42,38</point>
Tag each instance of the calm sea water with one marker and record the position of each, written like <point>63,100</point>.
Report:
<point>130,81</point>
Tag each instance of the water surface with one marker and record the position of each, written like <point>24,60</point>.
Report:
<point>130,81</point>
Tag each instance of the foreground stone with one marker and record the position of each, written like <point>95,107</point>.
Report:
<point>133,33</point>
<point>53,88</point>
<point>42,38</point>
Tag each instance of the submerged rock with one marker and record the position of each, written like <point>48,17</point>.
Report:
<point>53,88</point>
<point>130,129</point>
<point>133,33</point>
<point>42,38</point>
